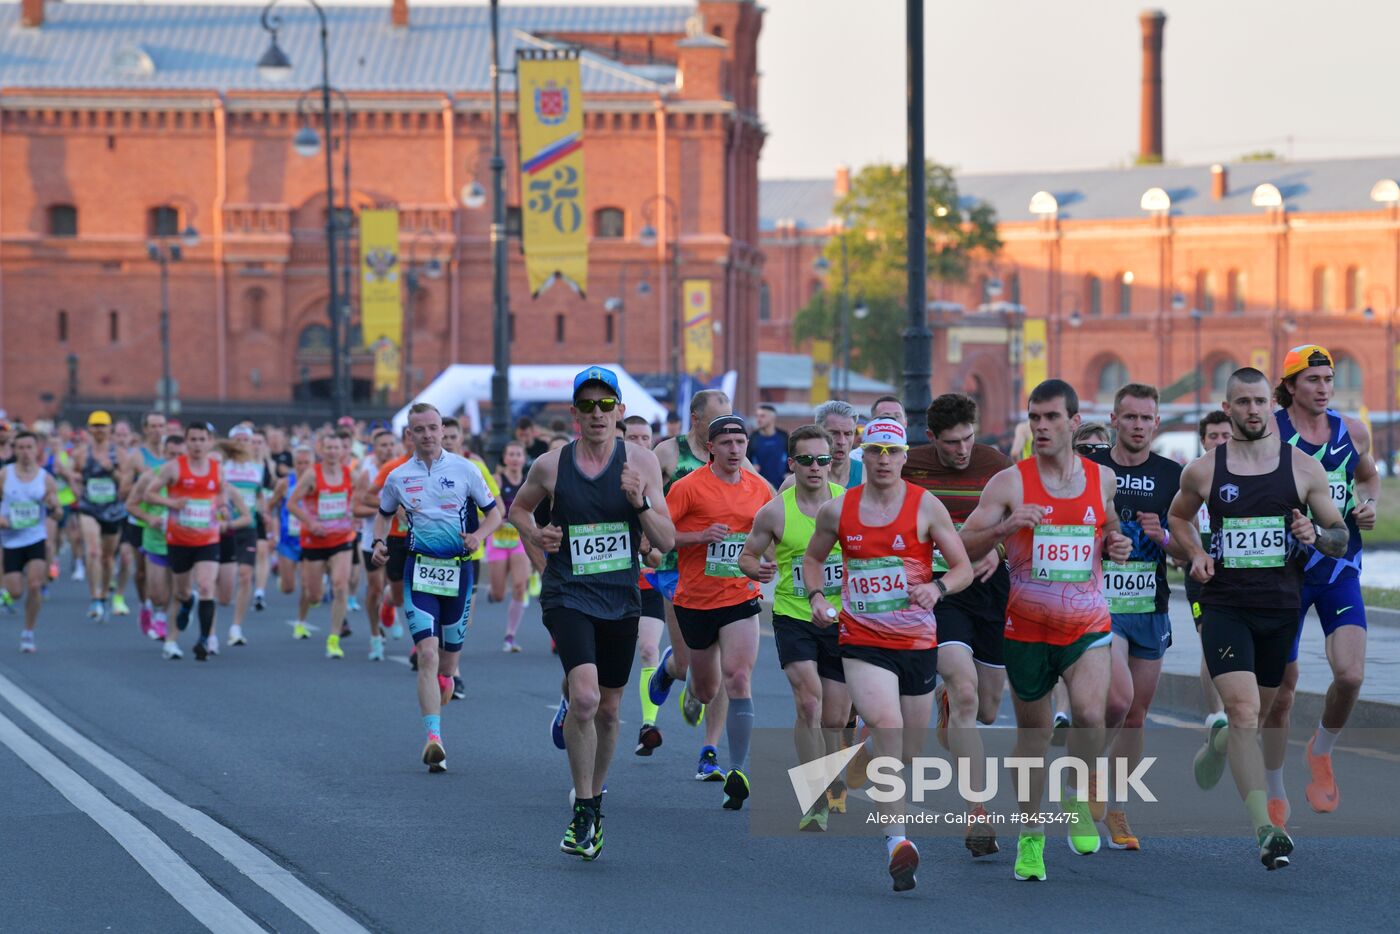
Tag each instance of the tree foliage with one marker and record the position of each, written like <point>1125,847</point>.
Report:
<point>876,238</point>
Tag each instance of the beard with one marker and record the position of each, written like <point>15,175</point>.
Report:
<point>1242,433</point>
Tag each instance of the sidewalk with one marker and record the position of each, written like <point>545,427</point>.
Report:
<point>1380,693</point>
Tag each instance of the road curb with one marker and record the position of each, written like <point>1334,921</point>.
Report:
<point>1183,693</point>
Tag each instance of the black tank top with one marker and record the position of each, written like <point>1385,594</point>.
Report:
<point>100,494</point>
<point>1257,560</point>
<point>595,569</point>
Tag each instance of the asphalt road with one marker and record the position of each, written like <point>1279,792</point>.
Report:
<point>273,789</point>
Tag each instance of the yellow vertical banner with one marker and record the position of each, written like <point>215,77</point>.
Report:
<point>550,110</point>
<point>1259,359</point>
<point>387,365</point>
<point>699,328</point>
<point>381,308</point>
<point>821,372</point>
<point>1035,357</point>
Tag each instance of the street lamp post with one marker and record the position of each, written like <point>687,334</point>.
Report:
<point>918,339</point>
<point>500,297</point>
<point>648,238</point>
<point>1370,315</point>
<point>164,251</point>
<point>274,65</point>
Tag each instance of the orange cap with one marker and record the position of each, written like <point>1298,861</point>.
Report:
<point>1303,356</point>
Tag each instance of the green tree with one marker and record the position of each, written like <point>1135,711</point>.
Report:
<point>876,239</point>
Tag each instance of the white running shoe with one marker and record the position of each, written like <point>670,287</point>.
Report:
<point>212,644</point>
<point>172,651</point>
<point>235,636</point>
<point>26,642</point>
<point>79,572</point>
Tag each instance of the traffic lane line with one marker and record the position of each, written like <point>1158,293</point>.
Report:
<point>278,882</point>
<point>164,865</point>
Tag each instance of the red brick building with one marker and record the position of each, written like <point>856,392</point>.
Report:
<point>122,123</point>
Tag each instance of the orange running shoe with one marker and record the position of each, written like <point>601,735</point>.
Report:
<point>1120,835</point>
<point>1279,812</point>
<point>904,862</point>
<point>1322,791</point>
<point>1097,808</point>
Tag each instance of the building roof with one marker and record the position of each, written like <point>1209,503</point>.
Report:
<point>180,46</point>
<point>1323,185</point>
<point>794,371</point>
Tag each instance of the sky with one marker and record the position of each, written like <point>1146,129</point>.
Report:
<point>1016,85</point>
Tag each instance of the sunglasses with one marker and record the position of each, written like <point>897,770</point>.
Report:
<point>1087,449</point>
<point>880,450</point>
<point>807,460</point>
<point>586,406</point>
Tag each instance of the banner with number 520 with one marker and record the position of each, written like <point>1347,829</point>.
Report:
<point>550,108</point>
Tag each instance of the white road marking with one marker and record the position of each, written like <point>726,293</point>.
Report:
<point>163,864</point>
<point>302,901</point>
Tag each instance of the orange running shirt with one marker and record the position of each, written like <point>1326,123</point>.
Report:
<point>709,574</point>
<point>396,528</point>
<point>1057,567</point>
<point>197,522</point>
<point>882,563</point>
<point>330,504</point>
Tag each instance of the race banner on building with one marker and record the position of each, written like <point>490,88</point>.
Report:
<point>550,110</point>
<point>699,328</point>
<point>821,372</point>
<point>1034,356</point>
<point>388,365</point>
<point>381,307</point>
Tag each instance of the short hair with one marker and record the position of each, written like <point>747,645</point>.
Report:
<point>831,407</point>
<point>807,433</point>
<point>524,422</point>
<point>418,408</point>
<point>378,432</point>
<point>673,416</point>
<point>1136,391</point>
<point>950,410</point>
<point>1213,417</point>
<point>636,420</point>
<point>451,422</point>
<point>1052,389</point>
<point>205,427</point>
<point>559,426</point>
<point>147,417</point>
<point>701,399</point>
<point>26,433</point>
<point>344,434</point>
<point>1091,428</point>
<point>174,439</point>
<point>886,398</point>
<point>1249,374</point>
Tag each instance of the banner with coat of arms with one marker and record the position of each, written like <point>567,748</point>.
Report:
<point>381,307</point>
<point>1035,362</point>
<point>550,109</point>
<point>699,328</point>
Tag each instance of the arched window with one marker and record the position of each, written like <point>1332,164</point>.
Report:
<point>62,326</point>
<point>1112,377</point>
<point>63,220</point>
<point>314,341</point>
<point>1220,375</point>
<point>1235,284</point>
<point>1346,383</point>
<point>163,221</point>
<point>608,224</point>
<point>253,301</point>
<point>984,294</point>
<point>1322,288</point>
<point>765,302</point>
<point>1013,288</point>
<point>1205,291</point>
<point>1094,290</point>
<point>1125,294</point>
<point>1355,288</point>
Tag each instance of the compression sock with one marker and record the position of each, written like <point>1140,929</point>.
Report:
<point>648,708</point>
<point>739,728</point>
<point>182,618</point>
<point>1274,778</point>
<point>206,618</point>
<point>432,723</point>
<point>514,613</point>
<point>1257,804</point>
<point>1324,740</point>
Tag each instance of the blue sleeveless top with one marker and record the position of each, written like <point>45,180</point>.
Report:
<point>1338,457</point>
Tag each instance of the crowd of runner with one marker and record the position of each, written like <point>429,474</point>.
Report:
<point>911,580</point>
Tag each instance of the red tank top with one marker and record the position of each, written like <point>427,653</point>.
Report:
<point>1057,567</point>
<point>881,563</point>
<point>331,505</point>
<point>197,522</point>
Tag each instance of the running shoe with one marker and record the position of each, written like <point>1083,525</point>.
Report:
<point>510,646</point>
<point>1120,835</point>
<point>376,648</point>
<point>299,631</point>
<point>235,636</point>
<point>980,839</point>
<point>352,603</point>
<point>1083,834</point>
<point>96,610</point>
<point>904,862</point>
<point>736,790</point>
<point>182,616</point>
<point>345,630</point>
<point>1322,792</point>
<point>940,701</point>
<point>171,651</point>
<point>579,836</point>
<point>333,649</point>
<point>1098,805</point>
<point>413,658</point>
<point>1279,812</point>
<point>445,686</point>
<point>143,620</point>
<point>1209,763</point>
<point>692,710</point>
<point>1060,735</point>
<point>119,606</point>
<point>396,630</point>
<point>535,584</point>
<point>54,571</point>
<point>659,687</point>
<point>556,728</point>
<point>1030,857</point>
<point>26,642</point>
<point>1274,847</point>
<point>79,572</point>
<point>201,653</point>
<point>259,601</point>
<point>647,739</point>
<point>815,819</point>
<point>459,689</point>
<point>708,770</point>
<point>159,629</point>
<point>434,756</point>
<point>7,602</point>
<point>212,644</point>
<point>386,615</point>
<point>836,797</point>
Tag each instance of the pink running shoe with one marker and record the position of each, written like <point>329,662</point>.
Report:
<point>158,630</point>
<point>147,629</point>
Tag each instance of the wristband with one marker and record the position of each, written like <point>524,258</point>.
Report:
<point>1166,537</point>
<point>378,541</point>
<point>1001,550</point>
<point>942,587</point>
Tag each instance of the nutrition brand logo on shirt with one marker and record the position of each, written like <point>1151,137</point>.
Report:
<point>898,543</point>
<point>1229,493</point>
<point>1138,484</point>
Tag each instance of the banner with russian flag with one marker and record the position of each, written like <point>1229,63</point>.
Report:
<point>550,108</point>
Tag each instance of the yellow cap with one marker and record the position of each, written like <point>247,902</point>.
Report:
<point>1303,356</point>
<point>99,418</point>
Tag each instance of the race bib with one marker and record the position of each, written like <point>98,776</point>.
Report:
<point>196,514</point>
<point>722,557</point>
<point>833,573</point>
<point>1130,587</point>
<point>506,537</point>
<point>940,565</point>
<point>599,548</point>
<point>876,585</point>
<point>1339,489</point>
<point>102,490</point>
<point>332,506</point>
<point>441,576</point>
<point>25,515</point>
<point>293,525</point>
<point>1203,523</point>
<point>1062,553</point>
<point>250,498</point>
<point>1257,542</point>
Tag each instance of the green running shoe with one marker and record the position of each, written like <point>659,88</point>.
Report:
<point>580,837</point>
<point>736,790</point>
<point>1083,833</point>
<point>816,817</point>
<point>1209,763</point>
<point>692,711</point>
<point>1274,847</point>
<point>1030,857</point>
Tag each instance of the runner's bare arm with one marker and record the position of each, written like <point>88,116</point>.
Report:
<point>1368,478</point>
<point>363,504</point>
<point>767,529</point>
<point>788,481</point>
<point>127,472</point>
<point>169,473</point>
<point>999,514</point>
<point>642,479</point>
<point>818,548</point>
<point>136,501</point>
<point>1325,529</point>
<point>492,521</point>
<point>539,483</point>
<point>668,454</point>
<point>1181,519</point>
<point>934,518</point>
<point>296,504</point>
<point>51,493</point>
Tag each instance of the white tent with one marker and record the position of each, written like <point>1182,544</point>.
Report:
<point>463,387</point>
